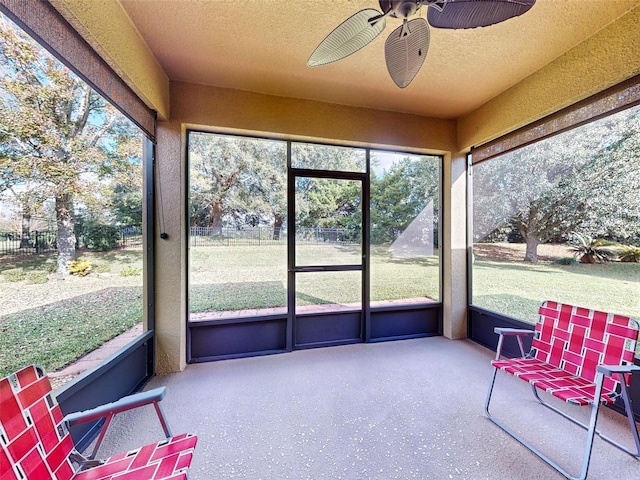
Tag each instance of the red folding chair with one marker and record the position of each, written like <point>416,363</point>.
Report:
<point>581,356</point>
<point>36,444</point>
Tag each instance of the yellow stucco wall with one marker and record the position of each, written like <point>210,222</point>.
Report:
<point>235,110</point>
<point>609,57</point>
<point>120,45</point>
<point>170,264</point>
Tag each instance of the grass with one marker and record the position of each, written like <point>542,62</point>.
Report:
<point>516,288</point>
<point>58,333</point>
<point>235,296</point>
<point>234,278</point>
<point>54,323</point>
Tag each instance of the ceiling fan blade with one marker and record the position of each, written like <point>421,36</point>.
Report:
<point>405,50</point>
<point>350,36</point>
<point>476,13</point>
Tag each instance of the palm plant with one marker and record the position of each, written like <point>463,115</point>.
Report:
<point>590,250</point>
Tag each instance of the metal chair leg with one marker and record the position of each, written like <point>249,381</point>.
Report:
<point>590,433</point>
<point>628,412</point>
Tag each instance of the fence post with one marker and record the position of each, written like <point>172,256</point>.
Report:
<point>37,243</point>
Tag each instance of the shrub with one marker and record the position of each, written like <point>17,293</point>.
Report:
<point>14,275</point>
<point>82,268</point>
<point>101,237</point>
<point>566,261</point>
<point>629,253</point>
<point>37,277</point>
<point>130,272</point>
<point>590,250</point>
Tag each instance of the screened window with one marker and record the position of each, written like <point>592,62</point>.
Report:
<point>405,260</point>
<point>238,228</point>
<point>71,170</point>
<point>328,157</point>
<point>560,219</point>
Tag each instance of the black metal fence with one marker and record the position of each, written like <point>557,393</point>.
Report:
<point>212,237</point>
<point>44,242</point>
<point>131,237</point>
<point>32,243</point>
<point>257,236</point>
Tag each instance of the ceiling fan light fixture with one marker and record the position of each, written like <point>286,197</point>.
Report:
<point>406,48</point>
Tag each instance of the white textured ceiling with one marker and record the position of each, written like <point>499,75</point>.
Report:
<point>263,46</point>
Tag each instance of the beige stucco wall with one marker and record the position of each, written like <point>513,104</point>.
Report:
<point>607,58</point>
<point>235,110</point>
<point>107,28</point>
<point>170,265</point>
<point>454,240</point>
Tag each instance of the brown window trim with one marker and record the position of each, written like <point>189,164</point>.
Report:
<point>614,99</point>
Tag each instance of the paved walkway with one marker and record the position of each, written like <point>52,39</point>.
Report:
<point>94,358</point>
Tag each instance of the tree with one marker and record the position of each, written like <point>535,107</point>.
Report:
<point>328,203</point>
<point>223,179</point>
<point>238,181</point>
<point>398,197</point>
<point>585,179</point>
<point>59,136</point>
<point>270,171</point>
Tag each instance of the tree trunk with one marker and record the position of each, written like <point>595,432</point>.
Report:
<point>216,217</point>
<point>531,253</point>
<point>66,237</point>
<point>530,231</point>
<point>277,225</point>
<point>26,231</point>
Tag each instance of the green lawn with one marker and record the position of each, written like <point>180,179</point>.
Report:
<point>59,333</point>
<point>233,278</point>
<point>517,289</point>
<point>54,323</point>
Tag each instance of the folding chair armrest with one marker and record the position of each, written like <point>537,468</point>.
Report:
<point>609,370</point>
<point>125,403</point>
<point>513,331</point>
<point>108,410</point>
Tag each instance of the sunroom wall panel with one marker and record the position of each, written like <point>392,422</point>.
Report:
<point>233,111</point>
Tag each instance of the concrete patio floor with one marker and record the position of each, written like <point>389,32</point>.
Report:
<point>395,410</point>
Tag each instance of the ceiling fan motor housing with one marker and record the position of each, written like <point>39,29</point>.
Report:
<point>400,8</point>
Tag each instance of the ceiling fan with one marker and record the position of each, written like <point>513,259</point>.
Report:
<point>407,46</point>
